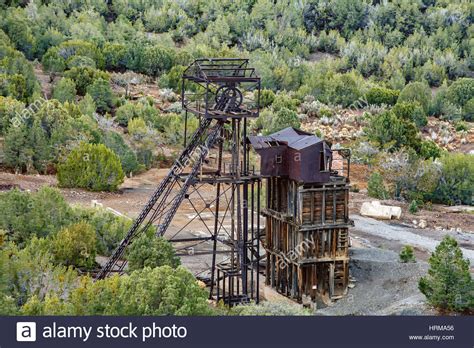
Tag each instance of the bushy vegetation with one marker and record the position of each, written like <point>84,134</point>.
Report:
<point>447,180</point>
<point>158,291</point>
<point>407,254</point>
<point>39,271</point>
<point>93,167</point>
<point>448,284</point>
<point>413,207</point>
<point>151,251</point>
<point>376,187</point>
<point>75,245</point>
<point>24,215</point>
<point>65,90</point>
<point>456,181</point>
<point>382,96</point>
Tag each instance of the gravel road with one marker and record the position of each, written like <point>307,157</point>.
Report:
<point>410,236</point>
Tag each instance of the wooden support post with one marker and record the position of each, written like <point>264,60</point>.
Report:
<point>331,280</point>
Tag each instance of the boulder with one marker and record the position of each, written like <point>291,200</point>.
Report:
<point>376,210</point>
<point>422,224</point>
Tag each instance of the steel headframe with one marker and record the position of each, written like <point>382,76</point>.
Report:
<point>224,93</point>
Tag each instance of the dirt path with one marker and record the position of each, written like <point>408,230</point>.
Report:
<point>414,237</point>
<point>44,80</point>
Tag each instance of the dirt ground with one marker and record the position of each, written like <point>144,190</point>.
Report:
<point>381,286</point>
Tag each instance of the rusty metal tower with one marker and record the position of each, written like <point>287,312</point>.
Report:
<point>223,93</point>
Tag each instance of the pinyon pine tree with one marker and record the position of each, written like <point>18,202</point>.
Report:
<point>448,285</point>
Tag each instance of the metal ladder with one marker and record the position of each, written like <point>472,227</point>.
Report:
<point>159,208</point>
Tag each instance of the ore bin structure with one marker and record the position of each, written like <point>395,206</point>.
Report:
<point>302,222</point>
<point>307,216</point>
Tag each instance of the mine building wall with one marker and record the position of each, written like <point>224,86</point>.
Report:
<point>307,215</point>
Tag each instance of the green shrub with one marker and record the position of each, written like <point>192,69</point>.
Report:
<point>461,126</point>
<point>376,187</point>
<point>461,91</point>
<point>330,42</point>
<point>173,79</point>
<point>158,291</point>
<point>151,251</point>
<point>468,111</point>
<point>87,106</point>
<point>143,109</point>
<point>381,95</point>
<point>391,132</point>
<point>14,86</point>
<point>283,100</point>
<point>92,167</point>
<point>109,228</point>
<point>65,90</point>
<point>413,207</point>
<point>344,89</point>
<point>438,101</point>
<point>156,60</point>
<point>416,92</point>
<point>456,184</point>
<point>267,96</point>
<point>128,158</point>
<point>27,148</point>
<point>127,112</point>
<point>115,56</point>
<point>80,61</point>
<point>23,215</point>
<point>407,254</point>
<point>52,62</point>
<point>448,284</point>
<point>10,108</point>
<point>411,111</point>
<point>84,49</point>
<point>432,73</point>
<point>102,94</point>
<point>30,272</point>
<point>137,128</point>
<point>75,246</point>
<point>282,119</point>
<point>429,149</point>
<point>411,177</point>
<point>84,76</point>
<point>7,305</point>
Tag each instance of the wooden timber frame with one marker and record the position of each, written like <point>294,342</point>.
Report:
<point>307,238</point>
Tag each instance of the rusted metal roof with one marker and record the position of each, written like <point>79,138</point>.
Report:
<point>291,137</point>
<point>294,153</point>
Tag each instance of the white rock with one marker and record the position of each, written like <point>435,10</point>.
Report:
<point>422,224</point>
<point>377,210</point>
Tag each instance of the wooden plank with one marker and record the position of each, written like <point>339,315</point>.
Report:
<point>323,209</point>
<point>331,279</point>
